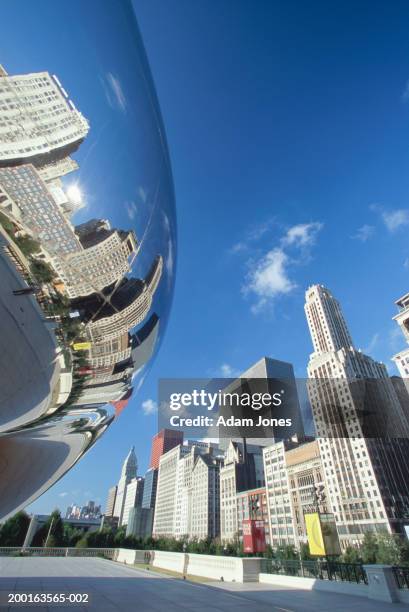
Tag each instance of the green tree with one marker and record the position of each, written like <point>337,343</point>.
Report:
<point>286,552</point>
<point>305,552</point>
<point>14,530</point>
<point>8,226</point>
<point>27,245</point>
<point>42,271</point>
<point>389,549</point>
<point>369,548</point>
<point>351,555</point>
<point>55,530</point>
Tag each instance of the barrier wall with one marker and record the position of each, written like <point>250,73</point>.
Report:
<point>173,561</point>
<point>125,555</point>
<point>231,569</point>
<point>297,582</point>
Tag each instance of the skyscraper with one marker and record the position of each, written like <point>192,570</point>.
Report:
<point>163,442</point>
<point>357,415</point>
<point>401,359</point>
<point>129,471</point>
<point>133,498</point>
<point>267,375</point>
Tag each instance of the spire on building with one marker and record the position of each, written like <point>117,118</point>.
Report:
<point>328,328</point>
<point>130,465</point>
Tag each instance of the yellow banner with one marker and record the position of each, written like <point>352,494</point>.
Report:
<point>81,346</point>
<point>314,534</point>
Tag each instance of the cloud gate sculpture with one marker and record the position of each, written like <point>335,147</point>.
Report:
<point>87,233</point>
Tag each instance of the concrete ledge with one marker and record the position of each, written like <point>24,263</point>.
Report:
<point>125,555</point>
<point>173,561</point>
<point>231,569</point>
<point>313,584</point>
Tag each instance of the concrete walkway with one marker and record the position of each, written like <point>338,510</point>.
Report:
<point>113,587</point>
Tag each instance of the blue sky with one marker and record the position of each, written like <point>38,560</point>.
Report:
<point>287,125</point>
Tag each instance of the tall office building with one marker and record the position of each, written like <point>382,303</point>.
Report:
<point>174,498</point>
<point>129,471</point>
<point>43,126</point>
<point>267,375</point>
<point>205,498</point>
<point>401,359</point>
<point>150,488</point>
<point>162,442</point>
<point>165,509</point>
<point>132,498</point>
<point>293,470</point>
<point>109,511</point>
<point>357,415</point>
<point>242,470</point>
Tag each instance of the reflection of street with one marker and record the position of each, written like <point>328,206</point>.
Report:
<point>28,368</point>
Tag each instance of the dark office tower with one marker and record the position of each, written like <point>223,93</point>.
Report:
<point>358,417</point>
<point>149,491</point>
<point>163,442</point>
<point>267,375</point>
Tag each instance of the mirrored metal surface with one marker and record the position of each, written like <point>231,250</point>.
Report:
<point>87,234</point>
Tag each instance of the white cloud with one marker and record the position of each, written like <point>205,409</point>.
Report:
<point>406,263</point>
<point>116,88</point>
<point>372,344</point>
<point>131,210</point>
<point>268,278</point>
<point>302,235</point>
<point>395,219</point>
<point>142,193</point>
<point>63,494</point>
<point>227,371</point>
<point>149,406</point>
<point>364,232</point>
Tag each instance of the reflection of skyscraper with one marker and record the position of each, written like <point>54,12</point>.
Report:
<point>110,352</point>
<point>126,307</point>
<point>104,260</point>
<point>103,393</point>
<point>38,209</point>
<point>144,342</point>
<point>367,478</point>
<point>43,125</point>
<point>129,471</point>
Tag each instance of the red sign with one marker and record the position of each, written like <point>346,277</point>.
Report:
<point>254,537</point>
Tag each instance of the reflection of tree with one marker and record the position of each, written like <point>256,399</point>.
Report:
<point>42,271</point>
<point>27,245</point>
